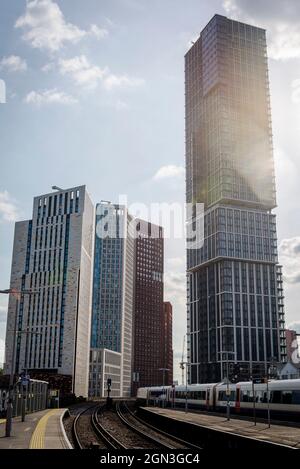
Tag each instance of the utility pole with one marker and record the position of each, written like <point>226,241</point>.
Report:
<point>186,387</point>
<point>186,364</point>
<point>254,401</point>
<point>228,392</point>
<point>164,371</point>
<point>272,372</point>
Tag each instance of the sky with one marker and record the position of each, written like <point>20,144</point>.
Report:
<point>95,96</point>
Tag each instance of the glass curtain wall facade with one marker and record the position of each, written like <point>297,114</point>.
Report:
<point>112,304</point>
<point>234,283</point>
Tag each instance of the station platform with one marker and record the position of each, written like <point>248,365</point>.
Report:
<point>278,435</point>
<point>41,430</point>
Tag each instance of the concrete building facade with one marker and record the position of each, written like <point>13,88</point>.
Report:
<point>105,364</point>
<point>52,256</point>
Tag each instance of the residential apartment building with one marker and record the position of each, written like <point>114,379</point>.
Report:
<point>52,257</point>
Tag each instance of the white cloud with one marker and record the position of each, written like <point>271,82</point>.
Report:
<point>289,251</point>
<point>169,171</point>
<point>175,287</point>
<point>281,19</point>
<point>45,27</point>
<point>48,67</point>
<point>8,209</point>
<point>99,33</point>
<point>121,105</point>
<point>285,42</point>
<point>296,91</point>
<point>85,74</point>
<point>294,326</point>
<point>13,63</point>
<point>81,71</point>
<point>52,96</point>
<point>114,81</point>
<point>176,262</point>
<point>286,169</point>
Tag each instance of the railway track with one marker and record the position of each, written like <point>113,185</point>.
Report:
<point>83,430</point>
<point>109,439</point>
<point>115,427</point>
<point>156,440</point>
<point>95,426</point>
<point>168,440</point>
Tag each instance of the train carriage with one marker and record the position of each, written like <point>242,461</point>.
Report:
<point>284,397</point>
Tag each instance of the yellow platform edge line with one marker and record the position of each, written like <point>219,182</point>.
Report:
<point>38,437</point>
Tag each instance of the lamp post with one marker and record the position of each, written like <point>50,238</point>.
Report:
<point>186,385</point>
<point>227,353</point>
<point>254,400</point>
<point>9,412</point>
<point>164,371</point>
<point>272,372</point>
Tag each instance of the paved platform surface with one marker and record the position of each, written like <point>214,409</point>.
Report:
<point>289,436</point>
<point>41,430</point>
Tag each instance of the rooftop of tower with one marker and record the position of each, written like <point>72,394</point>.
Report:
<point>222,17</point>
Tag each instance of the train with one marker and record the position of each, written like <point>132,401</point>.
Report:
<point>281,397</point>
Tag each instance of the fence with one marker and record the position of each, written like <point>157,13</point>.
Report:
<point>35,395</point>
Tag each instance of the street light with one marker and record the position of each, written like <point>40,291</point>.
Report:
<point>9,412</point>
<point>164,371</point>
<point>227,378</point>
<point>187,364</point>
<point>272,372</point>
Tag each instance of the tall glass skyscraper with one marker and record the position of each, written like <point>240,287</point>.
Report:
<point>235,298</point>
<point>112,305</point>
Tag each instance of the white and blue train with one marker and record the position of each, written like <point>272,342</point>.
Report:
<point>283,397</point>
